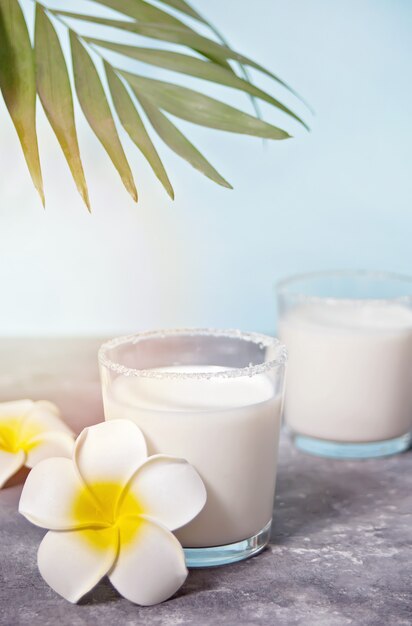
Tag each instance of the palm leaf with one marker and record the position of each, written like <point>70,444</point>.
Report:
<point>130,27</point>
<point>179,143</point>
<point>195,107</point>
<point>193,66</point>
<point>23,71</point>
<point>132,123</point>
<point>96,109</point>
<point>184,7</point>
<point>53,86</point>
<point>142,11</point>
<point>180,36</point>
<point>18,84</point>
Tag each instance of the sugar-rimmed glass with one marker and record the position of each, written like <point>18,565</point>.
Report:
<point>213,397</point>
<point>349,337</point>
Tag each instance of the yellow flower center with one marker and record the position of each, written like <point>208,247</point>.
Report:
<point>15,435</point>
<point>105,503</point>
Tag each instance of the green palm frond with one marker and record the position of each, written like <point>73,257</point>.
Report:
<point>28,70</point>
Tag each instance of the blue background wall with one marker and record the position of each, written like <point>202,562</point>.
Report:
<point>340,196</point>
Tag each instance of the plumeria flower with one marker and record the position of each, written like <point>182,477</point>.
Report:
<point>110,510</point>
<point>30,432</point>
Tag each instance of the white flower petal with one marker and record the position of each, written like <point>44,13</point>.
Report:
<point>169,490</point>
<point>50,406</point>
<point>72,563</point>
<point>42,418</point>
<point>10,463</point>
<point>15,408</point>
<point>110,451</point>
<point>54,497</point>
<point>150,567</point>
<point>50,444</point>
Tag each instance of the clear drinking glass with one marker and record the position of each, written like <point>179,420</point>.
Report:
<point>214,398</point>
<point>349,382</point>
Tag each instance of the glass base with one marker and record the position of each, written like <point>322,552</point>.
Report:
<point>334,450</point>
<point>231,553</point>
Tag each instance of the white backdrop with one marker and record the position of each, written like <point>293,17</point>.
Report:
<point>337,197</point>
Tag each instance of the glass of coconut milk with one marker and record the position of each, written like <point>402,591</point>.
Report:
<point>213,397</point>
<point>349,381</point>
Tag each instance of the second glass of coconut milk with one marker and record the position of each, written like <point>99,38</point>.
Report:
<point>349,383</point>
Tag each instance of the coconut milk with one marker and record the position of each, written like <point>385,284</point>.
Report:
<point>228,428</point>
<point>349,373</point>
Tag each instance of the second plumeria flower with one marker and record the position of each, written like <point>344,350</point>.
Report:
<point>30,432</point>
<point>110,510</point>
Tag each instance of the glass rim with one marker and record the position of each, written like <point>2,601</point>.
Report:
<point>282,285</point>
<point>265,341</point>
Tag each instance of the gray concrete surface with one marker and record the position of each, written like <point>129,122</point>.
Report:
<point>340,554</point>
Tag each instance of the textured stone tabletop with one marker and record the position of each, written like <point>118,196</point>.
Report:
<point>341,551</point>
<point>341,554</point>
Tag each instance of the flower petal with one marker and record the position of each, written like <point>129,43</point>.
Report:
<point>110,452</point>
<point>168,489</point>
<point>10,463</point>
<point>50,406</point>
<point>49,444</point>
<point>43,417</point>
<point>15,408</point>
<point>151,566</point>
<point>72,563</point>
<point>54,497</point>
